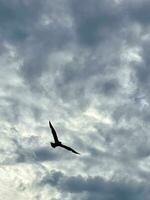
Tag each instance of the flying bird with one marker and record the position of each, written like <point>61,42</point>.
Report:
<point>57,142</point>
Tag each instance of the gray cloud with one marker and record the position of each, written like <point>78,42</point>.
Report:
<point>17,19</point>
<point>82,65</point>
<point>98,187</point>
<point>94,20</point>
<point>139,11</point>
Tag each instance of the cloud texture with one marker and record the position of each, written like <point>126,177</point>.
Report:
<point>84,65</point>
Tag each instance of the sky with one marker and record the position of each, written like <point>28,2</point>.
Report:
<point>83,65</point>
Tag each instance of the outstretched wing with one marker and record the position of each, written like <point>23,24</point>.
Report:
<point>69,148</point>
<point>53,132</point>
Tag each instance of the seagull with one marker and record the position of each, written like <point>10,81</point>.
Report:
<point>57,142</point>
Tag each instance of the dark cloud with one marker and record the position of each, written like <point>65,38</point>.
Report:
<point>139,11</point>
<point>108,88</point>
<point>36,58</point>
<point>44,154</point>
<point>94,20</point>
<point>18,19</point>
<point>98,188</point>
<point>22,27</point>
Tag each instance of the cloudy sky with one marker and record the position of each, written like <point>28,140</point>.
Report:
<point>84,65</point>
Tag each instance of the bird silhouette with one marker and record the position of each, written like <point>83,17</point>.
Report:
<point>57,142</point>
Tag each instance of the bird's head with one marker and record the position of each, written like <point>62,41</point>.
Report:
<point>53,144</point>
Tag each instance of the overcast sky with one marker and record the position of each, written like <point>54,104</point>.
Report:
<point>85,66</point>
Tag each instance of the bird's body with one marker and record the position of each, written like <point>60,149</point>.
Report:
<point>57,143</point>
